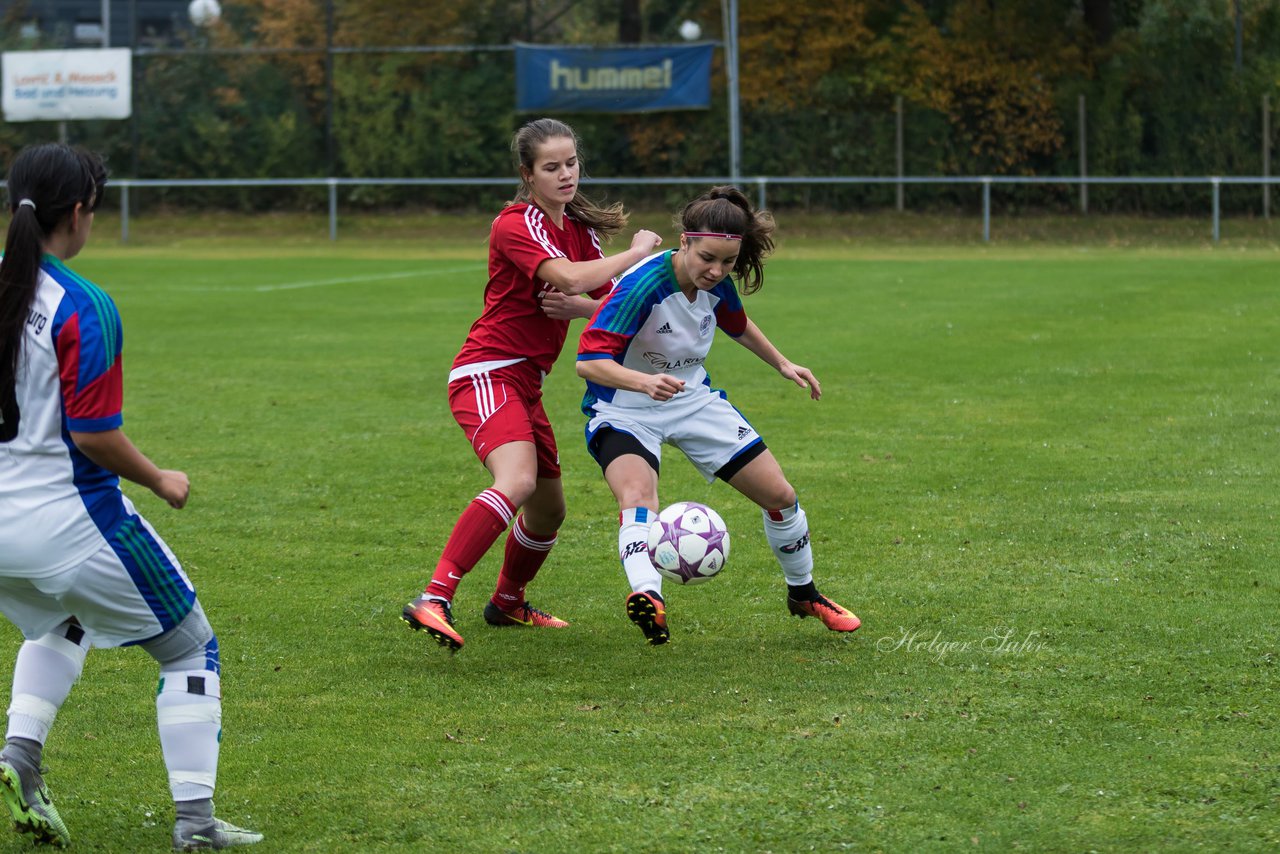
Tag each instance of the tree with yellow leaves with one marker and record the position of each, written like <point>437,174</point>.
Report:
<point>978,68</point>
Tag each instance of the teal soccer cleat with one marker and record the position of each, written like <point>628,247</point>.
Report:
<point>220,834</point>
<point>32,808</point>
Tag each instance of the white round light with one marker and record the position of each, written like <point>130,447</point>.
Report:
<point>204,13</point>
<point>689,30</point>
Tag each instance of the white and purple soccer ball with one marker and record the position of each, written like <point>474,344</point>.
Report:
<point>688,542</point>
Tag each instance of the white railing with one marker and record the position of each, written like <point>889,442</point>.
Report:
<point>1214,182</point>
<point>760,182</point>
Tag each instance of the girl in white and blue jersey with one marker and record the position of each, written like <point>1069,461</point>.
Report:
<point>642,356</point>
<point>78,565</point>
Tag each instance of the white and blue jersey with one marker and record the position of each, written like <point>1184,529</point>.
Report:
<point>59,509</point>
<point>647,324</point>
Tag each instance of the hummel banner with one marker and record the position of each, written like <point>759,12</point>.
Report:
<point>613,80</point>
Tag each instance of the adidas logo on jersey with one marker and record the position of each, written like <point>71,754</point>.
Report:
<point>743,431</point>
<point>664,329</point>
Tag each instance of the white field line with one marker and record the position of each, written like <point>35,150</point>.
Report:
<point>346,280</point>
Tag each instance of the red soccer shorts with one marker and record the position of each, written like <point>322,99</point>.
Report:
<point>497,407</point>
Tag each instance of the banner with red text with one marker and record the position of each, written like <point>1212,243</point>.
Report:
<point>57,85</point>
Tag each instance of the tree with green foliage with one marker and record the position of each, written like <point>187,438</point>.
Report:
<point>988,87</point>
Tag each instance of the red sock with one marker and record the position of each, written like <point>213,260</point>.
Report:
<point>485,518</point>
<point>524,556</point>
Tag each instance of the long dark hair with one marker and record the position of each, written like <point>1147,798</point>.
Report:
<point>46,182</point>
<point>726,210</point>
<point>607,221</point>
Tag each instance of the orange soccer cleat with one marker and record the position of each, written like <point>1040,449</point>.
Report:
<point>523,615</point>
<point>649,612</point>
<point>833,616</point>
<point>434,617</point>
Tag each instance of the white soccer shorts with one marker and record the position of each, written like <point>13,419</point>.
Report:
<point>700,422</point>
<point>130,590</point>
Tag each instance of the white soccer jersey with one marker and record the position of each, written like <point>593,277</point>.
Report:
<point>63,519</point>
<point>649,325</point>
<point>56,505</point>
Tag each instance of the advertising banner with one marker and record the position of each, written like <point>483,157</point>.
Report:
<point>57,85</point>
<point>613,80</point>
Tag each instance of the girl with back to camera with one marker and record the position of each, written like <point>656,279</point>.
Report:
<point>642,356</point>
<point>78,565</point>
<point>544,254</point>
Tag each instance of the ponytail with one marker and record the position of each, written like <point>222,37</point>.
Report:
<point>46,182</point>
<point>726,210</point>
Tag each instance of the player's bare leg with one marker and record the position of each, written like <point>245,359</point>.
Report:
<point>787,529</point>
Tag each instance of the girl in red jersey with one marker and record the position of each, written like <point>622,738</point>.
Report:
<point>544,256</point>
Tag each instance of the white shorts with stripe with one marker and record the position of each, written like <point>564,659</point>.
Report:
<point>701,422</point>
<point>131,590</point>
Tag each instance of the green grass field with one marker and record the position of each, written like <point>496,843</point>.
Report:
<point>1044,476</point>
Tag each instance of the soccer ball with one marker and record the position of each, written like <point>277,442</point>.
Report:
<point>688,542</point>
<point>204,13</point>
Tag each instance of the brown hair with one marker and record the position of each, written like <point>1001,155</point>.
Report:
<point>46,182</point>
<point>726,210</point>
<point>607,221</point>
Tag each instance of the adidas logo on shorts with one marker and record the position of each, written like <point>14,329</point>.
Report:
<point>664,329</point>
<point>743,431</point>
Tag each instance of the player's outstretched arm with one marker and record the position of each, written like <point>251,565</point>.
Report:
<point>756,341</point>
<point>113,451</point>
<point>609,373</point>
<point>580,277</point>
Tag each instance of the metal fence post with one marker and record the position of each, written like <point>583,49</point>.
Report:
<point>1217,208</point>
<point>761,183</point>
<point>986,210</point>
<point>1266,156</point>
<point>333,209</point>
<point>897,147</point>
<point>124,213</point>
<point>1084,159</point>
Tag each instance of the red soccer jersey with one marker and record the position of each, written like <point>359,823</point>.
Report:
<point>513,325</point>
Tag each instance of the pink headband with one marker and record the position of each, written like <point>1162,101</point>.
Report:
<point>713,234</point>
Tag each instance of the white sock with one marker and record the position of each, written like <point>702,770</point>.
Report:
<point>46,669</point>
<point>787,531</point>
<point>633,549</point>
<point>189,715</point>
